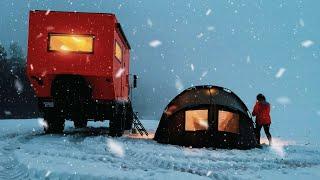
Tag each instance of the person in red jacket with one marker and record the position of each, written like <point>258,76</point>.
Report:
<point>262,112</point>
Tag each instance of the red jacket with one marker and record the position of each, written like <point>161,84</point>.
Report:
<point>262,112</point>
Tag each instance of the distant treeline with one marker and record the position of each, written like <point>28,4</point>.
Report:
<point>17,99</point>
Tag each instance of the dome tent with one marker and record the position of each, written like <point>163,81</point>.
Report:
<point>207,116</point>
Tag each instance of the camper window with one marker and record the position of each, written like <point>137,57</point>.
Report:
<point>196,120</point>
<point>228,122</point>
<point>71,43</point>
<point>118,52</point>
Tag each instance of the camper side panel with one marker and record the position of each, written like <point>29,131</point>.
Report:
<point>121,66</point>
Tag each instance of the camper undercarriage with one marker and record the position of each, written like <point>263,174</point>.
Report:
<point>72,99</point>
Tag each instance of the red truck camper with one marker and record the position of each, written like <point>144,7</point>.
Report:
<point>78,66</point>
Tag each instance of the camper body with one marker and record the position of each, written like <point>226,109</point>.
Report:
<point>78,65</point>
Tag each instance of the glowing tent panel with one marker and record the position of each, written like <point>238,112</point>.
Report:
<point>228,122</point>
<point>196,120</point>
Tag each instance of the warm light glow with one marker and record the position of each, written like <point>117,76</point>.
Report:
<point>64,48</point>
<point>196,120</point>
<point>170,110</point>
<point>212,92</point>
<point>228,122</point>
<point>71,43</point>
<point>118,51</point>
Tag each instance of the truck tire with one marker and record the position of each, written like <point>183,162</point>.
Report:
<point>116,124</point>
<point>78,115</point>
<point>80,122</point>
<point>72,95</point>
<point>54,124</point>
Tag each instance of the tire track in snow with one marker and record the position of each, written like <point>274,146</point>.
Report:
<point>146,155</point>
<point>154,160</point>
<point>150,161</point>
<point>77,151</point>
<point>216,165</point>
<point>10,167</point>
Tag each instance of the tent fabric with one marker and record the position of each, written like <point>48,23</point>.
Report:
<point>207,116</point>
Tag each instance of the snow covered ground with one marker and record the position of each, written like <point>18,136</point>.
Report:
<point>27,153</point>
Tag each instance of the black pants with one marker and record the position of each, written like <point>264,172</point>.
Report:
<point>266,130</point>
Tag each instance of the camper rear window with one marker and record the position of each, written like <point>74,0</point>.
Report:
<point>196,120</point>
<point>71,43</point>
<point>228,122</point>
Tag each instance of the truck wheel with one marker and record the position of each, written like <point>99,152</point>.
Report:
<point>54,123</point>
<point>72,95</point>
<point>116,127</point>
<point>79,117</point>
<point>115,132</point>
<point>80,123</point>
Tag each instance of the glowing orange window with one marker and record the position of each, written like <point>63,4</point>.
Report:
<point>228,122</point>
<point>196,120</point>
<point>118,51</point>
<point>71,43</point>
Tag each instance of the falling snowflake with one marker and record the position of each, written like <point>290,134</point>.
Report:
<point>301,22</point>
<point>115,148</point>
<point>280,72</point>
<point>39,35</point>
<point>7,113</point>
<point>18,85</point>
<point>210,28</point>
<point>42,123</point>
<point>120,72</point>
<point>307,43</point>
<point>155,43</point>
<point>203,123</point>
<point>44,73</point>
<point>149,22</point>
<point>248,59</point>
<point>48,173</point>
<point>47,12</point>
<point>278,147</point>
<point>192,67</point>
<point>283,100</point>
<point>200,35</point>
<point>204,73</point>
<point>208,12</point>
<point>179,85</point>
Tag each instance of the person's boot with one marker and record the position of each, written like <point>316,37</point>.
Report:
<point>270,141</point>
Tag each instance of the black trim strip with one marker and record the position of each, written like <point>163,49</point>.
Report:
<point>123,35</point>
